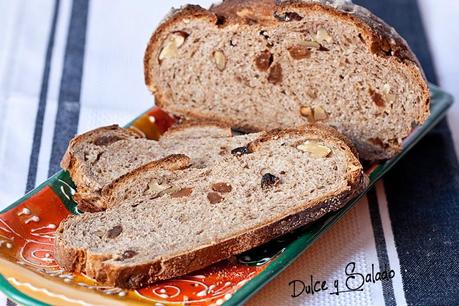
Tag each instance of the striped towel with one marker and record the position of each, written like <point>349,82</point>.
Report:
<point>70,66</point>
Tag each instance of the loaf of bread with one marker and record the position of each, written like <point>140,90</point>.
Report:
<point>194,217</point>
<point>97,158</point>
<point>262,64</point>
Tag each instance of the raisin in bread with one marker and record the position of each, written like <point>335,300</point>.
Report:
<point>262,64</point>
<point>278,182</point>
<point>97,158</point>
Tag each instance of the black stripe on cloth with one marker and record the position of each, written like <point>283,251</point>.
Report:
<point>10,303</point>
<point>68,110</point>
<point>381,247</point>
<point>36,143</point>
<point>423,188</point>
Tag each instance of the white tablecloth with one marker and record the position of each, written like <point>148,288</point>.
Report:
<point>113,91</point>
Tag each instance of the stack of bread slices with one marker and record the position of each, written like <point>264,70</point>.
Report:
<point>308,85</point>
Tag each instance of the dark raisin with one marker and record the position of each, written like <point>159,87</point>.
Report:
<point>114,232</point>
<point>288,16</point>
<point>220,20</point>
<point>214,197</point>
<point>268,180</point>
<point>264,60</point>
<point>240,151</point>
<point>222,187</point>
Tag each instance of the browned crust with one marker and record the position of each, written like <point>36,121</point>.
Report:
<point>381,39</point>
<point>171,162</point>
<point>136,276</point>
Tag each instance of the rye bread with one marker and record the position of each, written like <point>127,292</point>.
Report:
<point>97,158</point>
<point>262,64</point>
<point>278,182</point>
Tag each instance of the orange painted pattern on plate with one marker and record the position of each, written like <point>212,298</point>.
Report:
<point>153,123</point>
<point>27,230</point>
<point>213,285</point>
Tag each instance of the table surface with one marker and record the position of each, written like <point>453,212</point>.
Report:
<point>90,74</point>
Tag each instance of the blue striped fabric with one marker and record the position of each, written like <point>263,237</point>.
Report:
<point>68,111</point>
<point>423,189</point>
<point>33,162</point>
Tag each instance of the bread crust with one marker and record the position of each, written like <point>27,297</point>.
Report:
<point>381,40</point>
<point>136,276</point>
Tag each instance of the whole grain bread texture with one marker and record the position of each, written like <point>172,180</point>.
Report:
<point>273,184</point>
<point>263,64</point>
<point>99,157</point>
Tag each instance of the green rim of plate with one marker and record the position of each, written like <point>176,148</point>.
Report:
<point>441,101</point>
<point>17,296</point>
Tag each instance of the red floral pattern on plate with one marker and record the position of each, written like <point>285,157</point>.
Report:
<point>27,230</point>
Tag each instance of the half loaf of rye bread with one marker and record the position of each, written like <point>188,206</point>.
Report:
<point>262,64</point>
<point>99,157</point>
<point>278,182</point>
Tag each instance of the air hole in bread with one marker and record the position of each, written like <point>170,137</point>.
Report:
<point>221,20</point>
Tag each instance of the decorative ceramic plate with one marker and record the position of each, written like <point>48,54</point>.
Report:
<point>30,276</point>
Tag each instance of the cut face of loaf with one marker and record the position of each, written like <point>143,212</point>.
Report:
<point>99,157</point>
<point>156,177</point>
<point>261,64</point>
<point>278,182</point>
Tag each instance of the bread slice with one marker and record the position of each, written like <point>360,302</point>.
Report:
<point>262,64</point>
<point>97,158</point>
<point>276,183</point>
<point>156,177</point>
<point>92,167</point>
